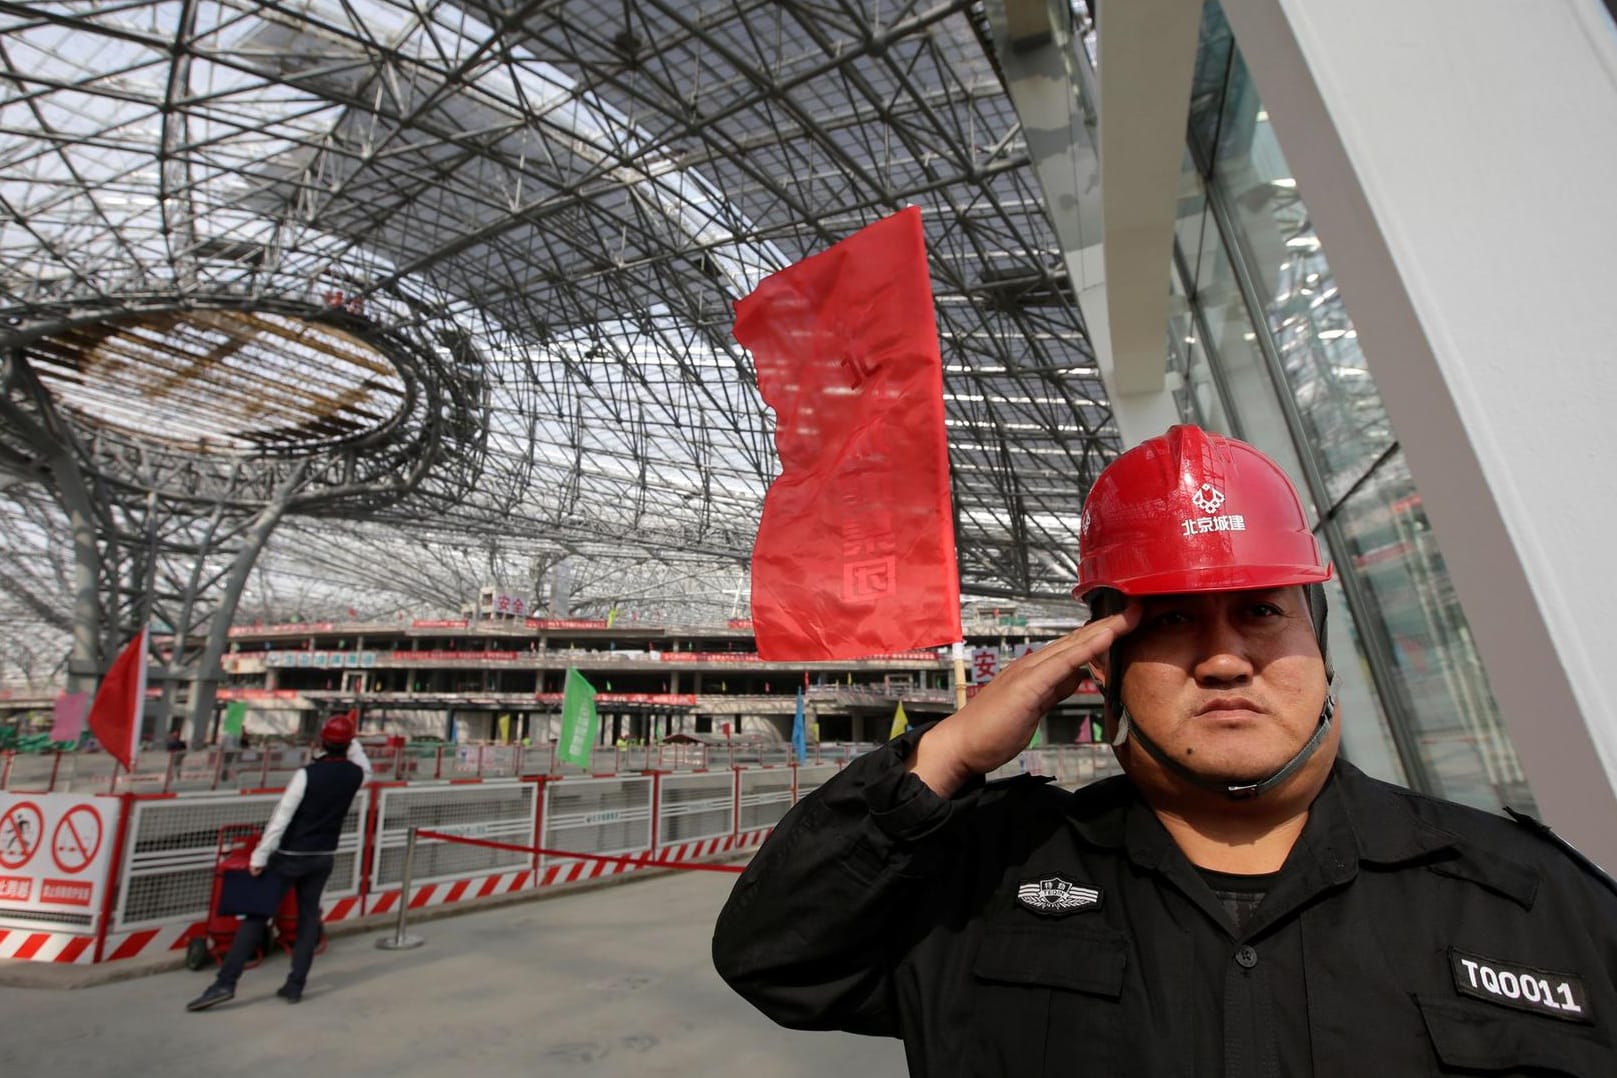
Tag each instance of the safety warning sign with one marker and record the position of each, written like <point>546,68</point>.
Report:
<point>77,838</point>
<point>53,851</point>
<point>20,827</point>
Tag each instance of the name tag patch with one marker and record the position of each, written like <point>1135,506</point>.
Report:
<point>1526,988</point>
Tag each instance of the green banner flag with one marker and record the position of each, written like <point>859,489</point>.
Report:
<point>579,721</point>
<point>234,715</point>
<point>1038,737</point>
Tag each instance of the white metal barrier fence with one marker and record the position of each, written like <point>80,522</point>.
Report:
<point>161,876</point>
<point>269,766</point>
<point>811,777</point>
<point>1070,765</point>
<point>764,798</point>
<point>168,866</point>
<point>594,816</point>
<point>693,811</point>
<point>501,810</point>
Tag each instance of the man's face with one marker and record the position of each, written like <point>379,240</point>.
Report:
<point>1230,684</point>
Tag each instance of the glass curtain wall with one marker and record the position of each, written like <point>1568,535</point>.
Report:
<point>1266,350</point>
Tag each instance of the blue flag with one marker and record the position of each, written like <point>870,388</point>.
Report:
<point>799,743</point>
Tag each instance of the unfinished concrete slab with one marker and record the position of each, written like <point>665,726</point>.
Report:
<point>615,981</point>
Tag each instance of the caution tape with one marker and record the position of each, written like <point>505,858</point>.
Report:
<point>643,860</point>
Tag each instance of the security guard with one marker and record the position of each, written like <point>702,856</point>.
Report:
<point>1239,902</point>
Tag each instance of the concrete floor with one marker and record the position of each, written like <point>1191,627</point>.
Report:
<point>615,981</point>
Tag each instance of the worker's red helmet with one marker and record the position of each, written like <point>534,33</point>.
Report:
<point>1193,511</point>
<point>338,730</point>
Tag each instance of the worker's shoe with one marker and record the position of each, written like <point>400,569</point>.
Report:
<point>215,995</point>
<point>290,993</point>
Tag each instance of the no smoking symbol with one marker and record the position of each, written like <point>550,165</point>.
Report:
<point>20,831</point>
<point>77,839</point>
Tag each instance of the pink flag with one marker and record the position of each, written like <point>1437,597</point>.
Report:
<point>115,715</point>
<point>67,717</point>
<point>855,552</point>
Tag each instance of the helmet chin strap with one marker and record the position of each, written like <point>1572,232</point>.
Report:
<point>1235,791</point>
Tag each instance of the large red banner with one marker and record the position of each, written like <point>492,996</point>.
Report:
<point>855,551</point>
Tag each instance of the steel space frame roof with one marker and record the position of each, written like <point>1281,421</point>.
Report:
<point>579,192</point>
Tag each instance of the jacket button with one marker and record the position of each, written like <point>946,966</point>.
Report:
<point>1246,957</point>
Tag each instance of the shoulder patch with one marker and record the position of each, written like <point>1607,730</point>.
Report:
<point>1543,831</point>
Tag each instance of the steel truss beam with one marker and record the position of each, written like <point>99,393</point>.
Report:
<point>543,214</point>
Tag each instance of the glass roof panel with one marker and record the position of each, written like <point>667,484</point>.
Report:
<point>575,196</point>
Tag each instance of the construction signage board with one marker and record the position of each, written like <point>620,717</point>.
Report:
<point>54,850</point>
<point>984,665</point>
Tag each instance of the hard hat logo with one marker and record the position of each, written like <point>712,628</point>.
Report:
<point>1207,525</point>
<point>1208,499</point>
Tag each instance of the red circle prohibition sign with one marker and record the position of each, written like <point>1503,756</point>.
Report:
<point>20,831</point>
<point>77,839</point>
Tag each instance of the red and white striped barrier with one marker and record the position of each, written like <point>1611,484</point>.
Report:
<point>174,937</point>
<point>147,941</point>
<point>46,946</point>
<point>708,847</point>
<point>443,894</point>
<point>573,871</point>
<point>712,847</point>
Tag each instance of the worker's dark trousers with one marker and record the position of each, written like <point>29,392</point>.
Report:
<point>308,874</point>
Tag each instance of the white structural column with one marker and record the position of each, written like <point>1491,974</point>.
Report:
<point>1146,52</point>
<point>1458,158</point>
<point>1047,75</point>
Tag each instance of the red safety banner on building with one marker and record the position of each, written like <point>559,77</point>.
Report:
<point>855,551</point>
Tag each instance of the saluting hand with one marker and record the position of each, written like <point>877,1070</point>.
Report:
<point>999,721</point>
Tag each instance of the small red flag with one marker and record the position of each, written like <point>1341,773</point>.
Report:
<point>855,553</point>
<point>120,702</point>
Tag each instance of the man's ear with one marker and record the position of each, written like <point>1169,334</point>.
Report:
<point>1099,669</point>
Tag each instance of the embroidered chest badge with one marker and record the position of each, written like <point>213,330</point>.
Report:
<point>1057,897</point>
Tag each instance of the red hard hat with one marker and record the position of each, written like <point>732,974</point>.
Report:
<point>339,729</point>
<point>1194,511</point>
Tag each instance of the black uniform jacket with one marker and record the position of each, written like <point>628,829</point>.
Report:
<point>1018,929</point>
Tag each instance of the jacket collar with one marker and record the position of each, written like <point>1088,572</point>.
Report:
<point>1355,818</point>
<point>1112,815</point>
<point>1383,821</point>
